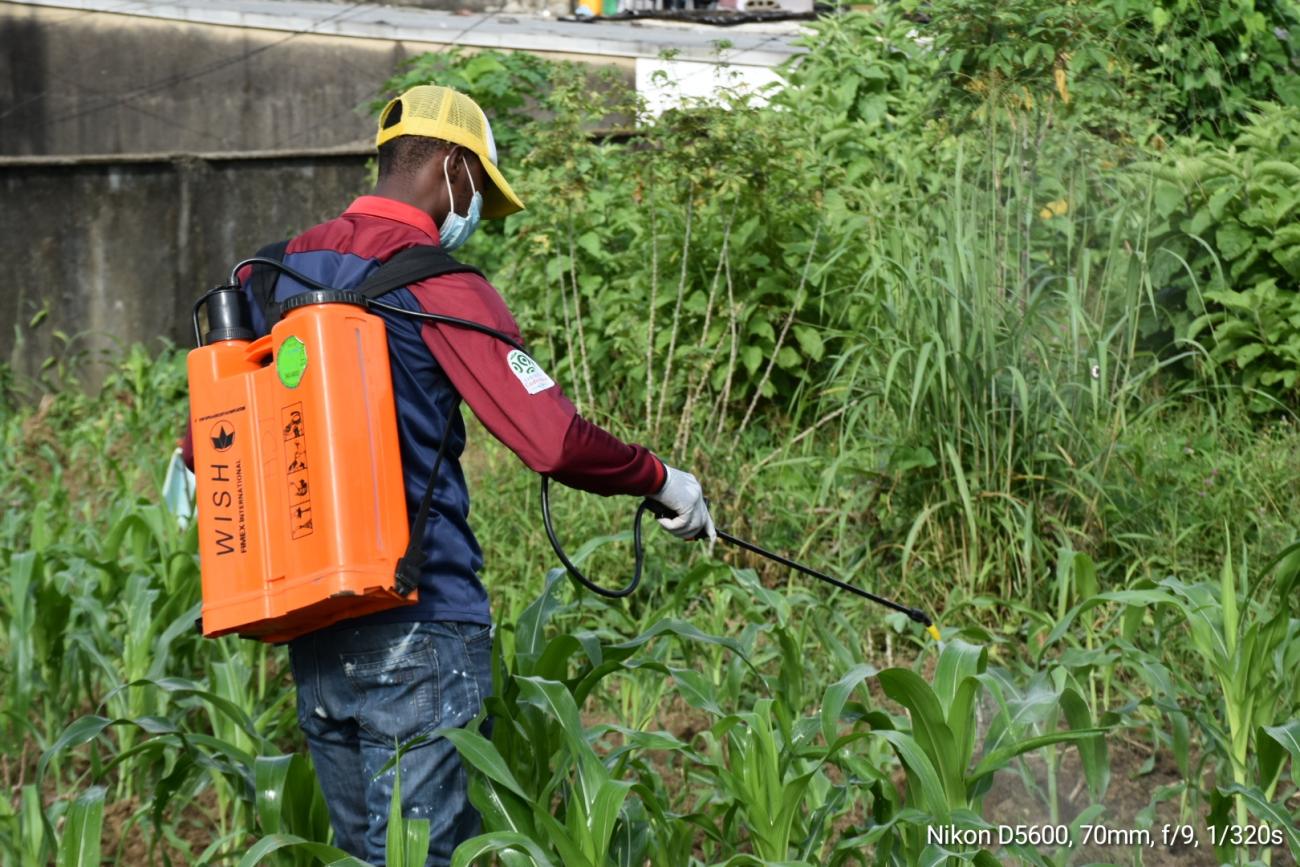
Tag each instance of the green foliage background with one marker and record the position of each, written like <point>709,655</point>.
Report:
<point>992,308</point>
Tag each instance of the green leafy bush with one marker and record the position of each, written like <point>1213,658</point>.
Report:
<point>1027,56</point>
<point>507,85</point>
<point>1126,68</point>
<point>1229,252</point>
<point>1214,60</point>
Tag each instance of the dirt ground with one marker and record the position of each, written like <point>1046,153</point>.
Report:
<point>127,837</point>
<point>1130,791</point>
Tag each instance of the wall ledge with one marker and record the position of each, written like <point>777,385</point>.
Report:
<point>168,157</point>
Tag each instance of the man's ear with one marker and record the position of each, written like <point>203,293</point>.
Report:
<point>455,162</point>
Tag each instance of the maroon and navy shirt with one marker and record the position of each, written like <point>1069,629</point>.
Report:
<point>434,367</point>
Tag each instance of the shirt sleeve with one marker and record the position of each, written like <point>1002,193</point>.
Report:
<point>518,402</point>
<point>186,444</point>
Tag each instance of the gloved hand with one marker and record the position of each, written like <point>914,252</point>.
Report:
<point>681,493</point>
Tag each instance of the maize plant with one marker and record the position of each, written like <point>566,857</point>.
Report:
<point>768,780</point>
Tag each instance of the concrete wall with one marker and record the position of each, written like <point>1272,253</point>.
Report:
<point>80,82</point>
<point>118,250</point>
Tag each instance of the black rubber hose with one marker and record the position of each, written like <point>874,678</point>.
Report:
<point>283,268</point>
<point>638,549</point>
<point>447,320</point>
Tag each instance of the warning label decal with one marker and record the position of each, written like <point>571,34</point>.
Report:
<point>295,461</point>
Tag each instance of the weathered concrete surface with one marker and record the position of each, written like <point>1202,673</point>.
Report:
<point>73,82</point>
<point>761,43</point>
<point>117,251</point>
<point>209,75</point>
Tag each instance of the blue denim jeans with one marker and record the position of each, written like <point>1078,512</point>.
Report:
<point>362,691</point>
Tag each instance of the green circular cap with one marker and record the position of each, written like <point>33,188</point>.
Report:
<point>291,361</point>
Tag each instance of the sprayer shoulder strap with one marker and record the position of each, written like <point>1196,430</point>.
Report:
<point>404,268</point>
<point>411,266</point>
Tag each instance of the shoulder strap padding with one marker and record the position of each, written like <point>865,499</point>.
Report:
<point>411,266</point>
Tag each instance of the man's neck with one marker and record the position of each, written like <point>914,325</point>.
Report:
<point>403,193</point>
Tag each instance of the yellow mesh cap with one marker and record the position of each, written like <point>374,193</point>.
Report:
<point>434,111</point>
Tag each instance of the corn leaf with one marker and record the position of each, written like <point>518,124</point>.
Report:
<point>395,836</point>
<point>683,629</point>
<point>1271,813</point>
<point>837,695</point>
<point>530,631</point>
<point>562,839</point>
<point>555,700</point>
<point>999,757</point>
<point>479,753</point>
<point>289,843</point>
<point>604,815</point>
<point>414,844</point>
<point>697,690</point>
<point>79,846</point>
<point>961,720</point>
<point>921,772</point>
<point>270,774</point>
<point>501,809</point>
<point>928,727</point>
<point>1134,599</point>
<point>1287,736</point>
<point>498,842</point>
<point>957,661</point>
<point>1092,751</point>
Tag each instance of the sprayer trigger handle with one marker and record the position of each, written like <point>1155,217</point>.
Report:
<point>658,509</point>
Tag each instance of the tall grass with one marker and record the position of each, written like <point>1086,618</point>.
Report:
<point>996,394</point>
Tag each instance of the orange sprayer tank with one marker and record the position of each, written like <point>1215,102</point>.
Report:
<point>301,507</point>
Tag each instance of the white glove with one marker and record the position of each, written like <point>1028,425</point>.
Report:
<point>681,493</point>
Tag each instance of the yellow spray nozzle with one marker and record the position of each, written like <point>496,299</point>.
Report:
<point>934,632</point>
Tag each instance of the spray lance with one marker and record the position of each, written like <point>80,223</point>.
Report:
<point>228,319</point>
<point>659,510</point>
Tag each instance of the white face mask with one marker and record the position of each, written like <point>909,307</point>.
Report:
<point>455,229</point>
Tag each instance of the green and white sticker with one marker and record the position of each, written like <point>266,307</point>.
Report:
<point>528,372</point>
<point>291,361</point>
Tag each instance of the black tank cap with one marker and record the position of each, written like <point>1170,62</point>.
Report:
<point>334,296</point>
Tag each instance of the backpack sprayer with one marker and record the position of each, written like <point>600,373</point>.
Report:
<point>302,514</point>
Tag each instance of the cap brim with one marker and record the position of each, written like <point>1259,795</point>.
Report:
<point>498,200</point>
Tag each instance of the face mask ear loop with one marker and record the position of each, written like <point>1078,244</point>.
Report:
<point>472,186</point>
<point>451,197</point>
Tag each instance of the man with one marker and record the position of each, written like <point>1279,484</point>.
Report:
<point>370,683</point>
